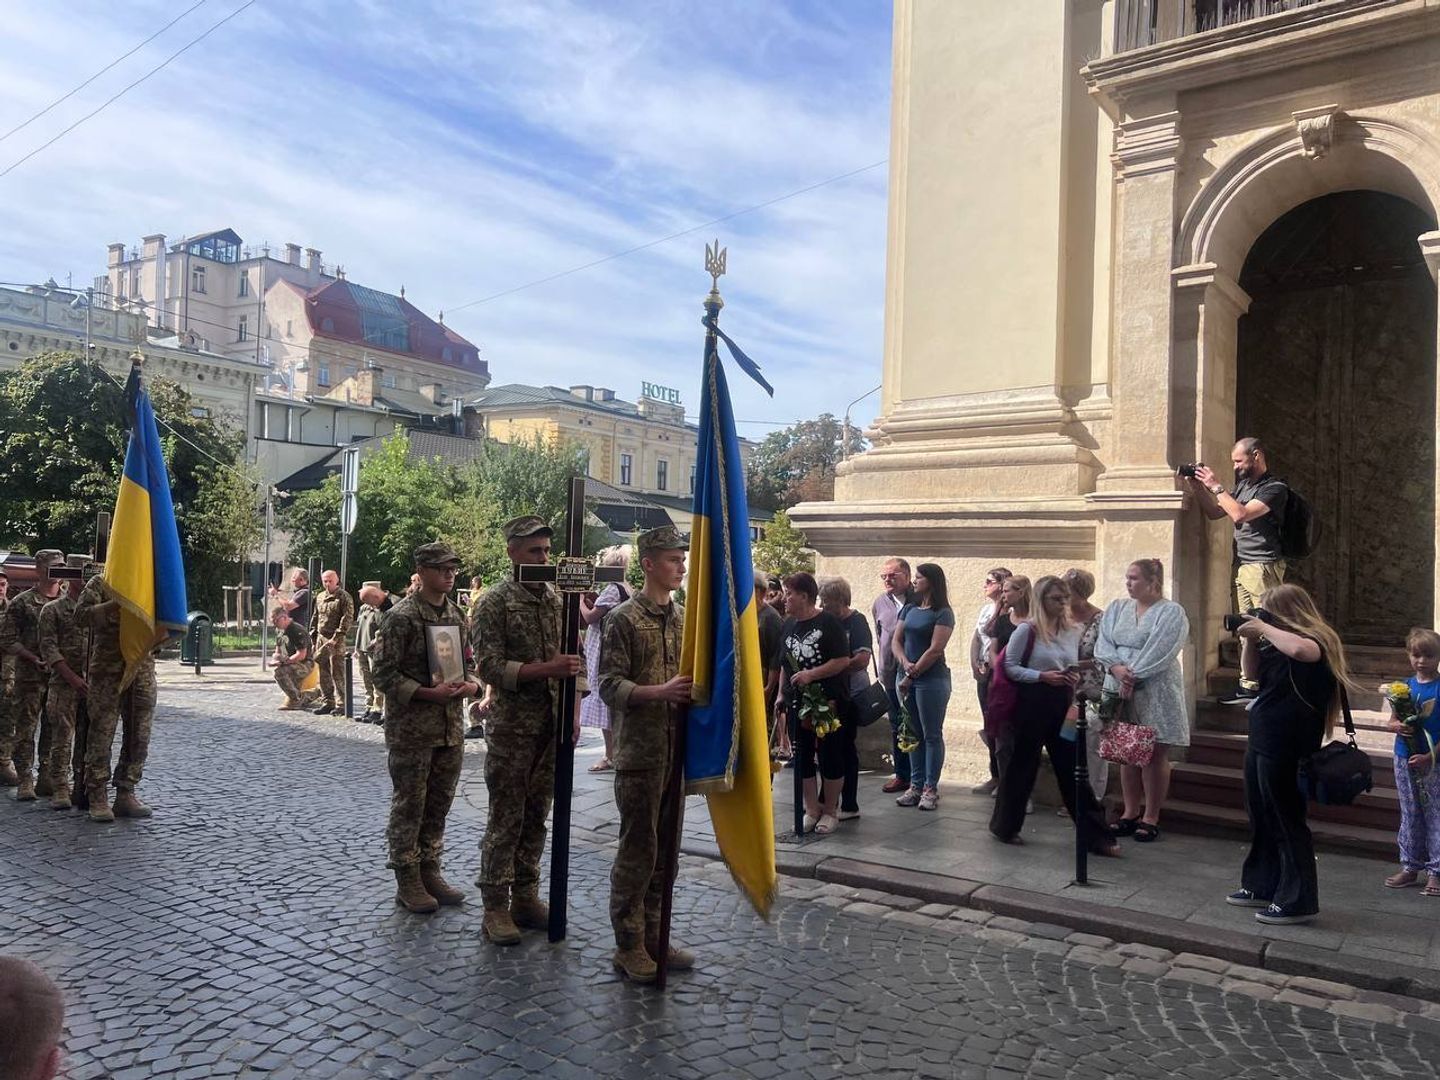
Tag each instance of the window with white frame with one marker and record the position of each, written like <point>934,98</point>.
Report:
<point>626,465</point>
<point>197,279</point>
<point>244,282</point>
<point>243,329</point>
<point>662,475</point>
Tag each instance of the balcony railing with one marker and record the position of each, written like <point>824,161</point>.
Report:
<point>1148,22</point>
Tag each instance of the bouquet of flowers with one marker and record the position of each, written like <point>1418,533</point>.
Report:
<point>819,710</point>
<point>1402,706</point>
<point>906,737</point>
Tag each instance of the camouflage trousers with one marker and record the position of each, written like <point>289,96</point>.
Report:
<point>60,715</point>
<point>289,677</point>
<point>7,723</point>
<point>637,880</point>
<point>105,705</point>
<point>26,705</point>
<point>424,780</point>
<point>372,694</point>
<point>331,658</point>
<point>520,776</point>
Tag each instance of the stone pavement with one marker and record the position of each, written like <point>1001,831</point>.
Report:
<point>249,929</point>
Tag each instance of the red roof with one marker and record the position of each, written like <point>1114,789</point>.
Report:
<point>344,311</point>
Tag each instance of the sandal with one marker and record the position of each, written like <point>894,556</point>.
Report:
<point>1403,880</point>
<point>603,765</point>
<point>809,823</point>
<point>1125,826</point>
<point>827,824</point>
<point>1432,887</point>
<point>1145,833</point>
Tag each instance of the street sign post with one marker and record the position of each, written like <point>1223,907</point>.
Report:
<point>349,515</point>
<point>572,576</point>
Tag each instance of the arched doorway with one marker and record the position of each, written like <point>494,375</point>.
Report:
<point>1335,372</point>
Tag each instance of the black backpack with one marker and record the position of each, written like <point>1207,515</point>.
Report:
<point>1299,528</point>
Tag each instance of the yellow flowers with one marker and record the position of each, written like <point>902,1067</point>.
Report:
<point>819,711</point>
<point>1396,692</point>
<point>906,738</point>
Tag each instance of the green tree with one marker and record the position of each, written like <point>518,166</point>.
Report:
<point>783,549</point>
<point>63,434</point>
<point>797,464</point>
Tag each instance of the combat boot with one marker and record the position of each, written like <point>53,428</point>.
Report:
<point>26,790</point>
<point>635,964</point>
<point>436,885</point>
<point>128,804</point>
<point>677,959</point>
<point>410,893</point>
<point>530,912</point>
<point>43,785</point>
<point>499,927</point>
<point>99,798</point>
<point>60,798</point>
<point>8,776</point>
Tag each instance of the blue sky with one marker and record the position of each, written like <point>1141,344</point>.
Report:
<point>462,149</point>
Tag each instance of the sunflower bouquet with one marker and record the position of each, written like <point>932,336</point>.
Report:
<point>818,710</point>
<point>1402,705</point>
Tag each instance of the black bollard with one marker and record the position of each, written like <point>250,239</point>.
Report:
<point>349,682</point>
<point>1082,781</point>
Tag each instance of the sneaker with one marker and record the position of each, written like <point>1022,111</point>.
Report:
<point>895,784</point>
<point>929,799</point>
<point>987,788</point>
<point>1245,898</point>
<point>326,709</point>
<point>476,732</point>
<point>1275,915</point>
<point>1242,696</point>
<point>849,815</point>
<point>910,798</point>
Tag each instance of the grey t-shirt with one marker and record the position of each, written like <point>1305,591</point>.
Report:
<point>1258,541</point>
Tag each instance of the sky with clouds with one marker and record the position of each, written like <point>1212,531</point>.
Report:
<point>462,150</point>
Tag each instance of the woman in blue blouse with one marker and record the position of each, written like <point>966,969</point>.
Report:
<point>921,632</point>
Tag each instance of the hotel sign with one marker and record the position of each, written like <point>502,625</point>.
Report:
<point>656,392</point>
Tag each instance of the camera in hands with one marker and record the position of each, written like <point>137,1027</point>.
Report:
<point>1188,471</point>
<point>1233,623</point>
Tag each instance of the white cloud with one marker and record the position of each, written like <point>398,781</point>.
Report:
<point>462,150</point>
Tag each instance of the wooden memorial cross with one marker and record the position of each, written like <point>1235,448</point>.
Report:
<point>572,575</point>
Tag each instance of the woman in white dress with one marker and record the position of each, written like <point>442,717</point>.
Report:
<point>593,711</point>
<point>1139,647</point>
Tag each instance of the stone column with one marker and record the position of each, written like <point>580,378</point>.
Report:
<point>1430,249</point>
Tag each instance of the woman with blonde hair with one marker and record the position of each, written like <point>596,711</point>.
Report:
<point>1042,658</point>
<point>593,712</point>
<point>1299,662</point>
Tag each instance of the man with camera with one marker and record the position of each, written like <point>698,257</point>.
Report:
<point>1256,508</point>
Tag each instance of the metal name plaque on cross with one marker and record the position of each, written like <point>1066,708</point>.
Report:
<point>574,575</point>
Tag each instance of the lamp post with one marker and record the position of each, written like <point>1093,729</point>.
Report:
<point>845,435</point>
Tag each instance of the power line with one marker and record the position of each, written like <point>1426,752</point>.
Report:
<point>665,239</point>
<point>66,97</point>
<point>117,96</point>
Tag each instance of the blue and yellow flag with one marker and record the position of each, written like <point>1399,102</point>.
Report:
<point>143,569</point>
<point>727,744</point>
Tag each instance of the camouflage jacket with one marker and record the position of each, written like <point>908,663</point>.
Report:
<point>640,647</point>
<point>95,610</point>
<point>20,628</point>
<point>367,625</point>
<point>334,615</point>
<point>514,626</point>
<point>60,638</point>
<point>7,662</point>
<point>400,665</point>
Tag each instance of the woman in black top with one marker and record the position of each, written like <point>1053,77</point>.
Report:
<point>1299,662</point>
<point>813,649</point>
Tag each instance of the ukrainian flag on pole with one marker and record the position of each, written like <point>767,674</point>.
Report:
<point>143,569</point>
<point>727,745</point>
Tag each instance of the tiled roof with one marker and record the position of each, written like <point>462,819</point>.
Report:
<point>344,311</point>
<point>518,395</point>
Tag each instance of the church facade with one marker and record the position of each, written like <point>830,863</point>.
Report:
<point>1123,233</point>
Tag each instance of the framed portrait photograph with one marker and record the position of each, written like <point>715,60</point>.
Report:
<point>462,599</point>
<point>447,654</point>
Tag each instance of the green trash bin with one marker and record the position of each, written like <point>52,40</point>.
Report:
<point>197,647</point>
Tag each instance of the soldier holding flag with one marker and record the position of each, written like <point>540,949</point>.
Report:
<point>517,635</point>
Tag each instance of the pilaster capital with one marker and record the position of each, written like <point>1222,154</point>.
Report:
<point>1430,249</point>
<point>1147,145</point>
<point>1207,283</point>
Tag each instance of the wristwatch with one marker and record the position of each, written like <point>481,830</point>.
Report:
<point>1218,489</point>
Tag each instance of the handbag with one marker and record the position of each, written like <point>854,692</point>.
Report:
<point>1337,774</point>
<point>873,702</point>
<point>1127,743</point>
<point>1002,699</point>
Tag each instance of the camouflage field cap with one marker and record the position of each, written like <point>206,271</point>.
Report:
<point>48,557</point>
<point>438,555</point>
<point>372,585</point>
<point>526,525</point>
<point>665,538</point>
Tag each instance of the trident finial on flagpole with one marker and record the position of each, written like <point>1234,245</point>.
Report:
<point>715,267</point>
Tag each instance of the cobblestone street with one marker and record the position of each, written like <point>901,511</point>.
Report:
<point>249,928</point>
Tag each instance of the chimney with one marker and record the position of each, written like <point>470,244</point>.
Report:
<point>604,393</point>
<point>367,380</point>
<point>583,392</point>
<point>292,254</point>
<point>433,393</point>
<point>474,423</point>
<point>117,254</point>
<point>312,261</point>
<point>155,275</point>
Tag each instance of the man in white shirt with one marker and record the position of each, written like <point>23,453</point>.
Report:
<point>980,664</point>
<point>895,576</point>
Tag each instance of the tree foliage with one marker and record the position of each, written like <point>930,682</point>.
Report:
<point>63,436</point>
<point>797,464</point>
<point>783,549</point>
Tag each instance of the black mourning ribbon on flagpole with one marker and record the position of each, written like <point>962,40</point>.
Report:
<point>746,364</point>
<point>132,394</point>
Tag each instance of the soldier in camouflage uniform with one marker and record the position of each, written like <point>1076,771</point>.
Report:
<point>422,730</point>
<point>367,625</point>
<point>97,612</point>
<point>20,638</point>
<point>62,647</point>
<point>292,659</point>
<point>8,778</point>
<point>640,681</point>
<point>516,634</point>
<point>334,615</point>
